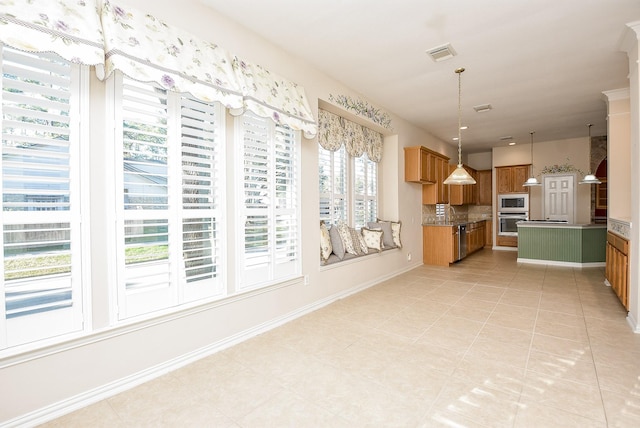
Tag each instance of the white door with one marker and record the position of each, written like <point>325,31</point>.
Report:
<point>559,198</point>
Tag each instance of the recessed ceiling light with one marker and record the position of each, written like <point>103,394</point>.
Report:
<point>513,143</point>
<point>464,127</point>
<point>441,53</point>
<point>482,108</point>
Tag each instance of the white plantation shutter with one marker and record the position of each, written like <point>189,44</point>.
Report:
<point>364,191</point>
<point>371,213</point>
<point>333,185</point>
<point>145,265</point>
<point>170,239</point>
<point>268,203</point>
<point>41,272</point>
<point>202,175</point>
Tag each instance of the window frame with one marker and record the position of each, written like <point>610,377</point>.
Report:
<point>245,282</point>
<point>129,304</point>
<point>351,196</point>
<point>79,321</point>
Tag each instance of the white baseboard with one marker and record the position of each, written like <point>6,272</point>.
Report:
<point>635,327</point>
<point>56,410</point>
<point>500,248</point>
<point>558,263</point>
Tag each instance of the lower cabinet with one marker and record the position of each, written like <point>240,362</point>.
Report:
<point>617,266</point>
<point>488,233</point>
<point>475,236</point>
<point>506,241</point>
<point>440,244</point>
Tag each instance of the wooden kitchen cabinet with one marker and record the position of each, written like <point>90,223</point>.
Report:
<point>506,241</point>
<point>419,165</point>
<point>488,233</point>
<point>483,179</point>
<point>510,179</point>
<point>465,194</point>
<point>438,192</point>
<point>475,236</point>
<point>617,266</point>
<point>439,245</point>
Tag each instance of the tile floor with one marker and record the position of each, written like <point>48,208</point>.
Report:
<point>484,343</point>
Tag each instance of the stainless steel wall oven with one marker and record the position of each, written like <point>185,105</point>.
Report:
<point>507,223</point>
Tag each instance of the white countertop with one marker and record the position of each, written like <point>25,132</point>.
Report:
<point>560,225</point>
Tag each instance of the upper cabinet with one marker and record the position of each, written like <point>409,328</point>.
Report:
<point>483,180</point>
<point>430,169</point>
<point>420,164</point>
<point>510,179</point>
<point>438,192</point>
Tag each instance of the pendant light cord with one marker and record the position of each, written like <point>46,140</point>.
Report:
<point>532,165</point>
<point>459,72</point>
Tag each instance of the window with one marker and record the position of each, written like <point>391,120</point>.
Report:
<point>269,236</point>
<point>333,185</point>
<point>169,197</point>
<point>41,206</point>
<point>348,188</point>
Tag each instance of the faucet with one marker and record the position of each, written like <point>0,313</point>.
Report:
<point>450,209</point>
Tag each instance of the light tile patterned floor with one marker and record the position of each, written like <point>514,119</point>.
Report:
<point>484,343</point>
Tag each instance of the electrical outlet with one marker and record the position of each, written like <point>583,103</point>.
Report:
<point>306,280</point>
<point>408,257</point>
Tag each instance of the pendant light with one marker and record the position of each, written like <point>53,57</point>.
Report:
<point>532,180</point>
<point>590,178</point>
<point>459,175</point>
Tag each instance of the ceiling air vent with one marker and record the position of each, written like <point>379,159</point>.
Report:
<point>441,53</point>
<point>482,108</point>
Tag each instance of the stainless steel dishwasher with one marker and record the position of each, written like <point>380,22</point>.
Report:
<point>462,241</point>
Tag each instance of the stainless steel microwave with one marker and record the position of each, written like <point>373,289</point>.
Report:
<point>513,203</point>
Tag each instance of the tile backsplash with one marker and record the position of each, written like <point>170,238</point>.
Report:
<point>430,213</point>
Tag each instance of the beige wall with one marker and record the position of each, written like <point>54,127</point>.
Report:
<point>619,154</point>
<point>479,161</point>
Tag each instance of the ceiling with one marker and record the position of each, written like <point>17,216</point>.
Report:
<point>541,64</point>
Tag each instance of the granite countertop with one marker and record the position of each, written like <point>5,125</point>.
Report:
<point>453,223</point>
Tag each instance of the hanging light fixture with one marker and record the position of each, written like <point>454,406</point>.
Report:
<point>590,178</point>
<point>532,180</point>
<point>459,175</point>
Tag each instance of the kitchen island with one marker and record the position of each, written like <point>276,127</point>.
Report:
<point>562,244</point>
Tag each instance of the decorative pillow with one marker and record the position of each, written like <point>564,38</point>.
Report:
<point>358,242</point>
<point>355,239</point>
<point>395,232</point>
<point>363,244</point>
<point>336,242</point>
<point>387,237</point>
<point>325,242</point>
<point>373,238</point>
<point>345,235</point>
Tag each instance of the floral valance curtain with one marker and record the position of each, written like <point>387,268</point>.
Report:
<point>70,29</point>
<point>100,33</point>
<point>146,49</point>
<point>334,131</point>
<point>269,95</point>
